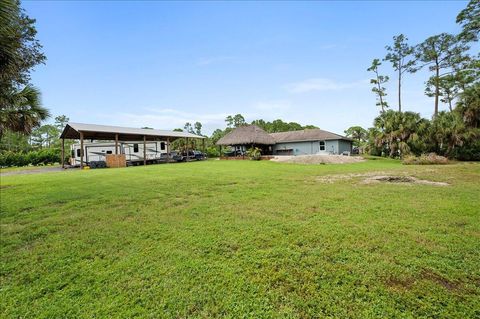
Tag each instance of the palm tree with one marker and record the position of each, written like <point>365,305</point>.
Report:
<point>447,132</point>
<point>22,111</point>
<point>468,106</point>
<point>398,132</point>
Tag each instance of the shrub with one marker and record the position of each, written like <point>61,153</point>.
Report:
<point>424,159</point>
<point>212,151</point>
<point>40,157</point>
<point>254,153</point>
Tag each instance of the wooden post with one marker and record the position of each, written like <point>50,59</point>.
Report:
<point>63,153</point>
<point>186,149</point>
<point>144,150</point>
<point>116,144</point>
<point>203,146</point>
<point>168,149</point>
<point>81,150</point>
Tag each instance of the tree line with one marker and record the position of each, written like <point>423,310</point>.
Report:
<point>454,81</point>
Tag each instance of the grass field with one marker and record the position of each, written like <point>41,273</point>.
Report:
<point>241,239</point>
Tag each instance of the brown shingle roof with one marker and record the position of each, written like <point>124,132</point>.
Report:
<point>306,135</point>
<point>245,135</point>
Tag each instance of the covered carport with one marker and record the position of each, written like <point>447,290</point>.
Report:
<point>81,132</point>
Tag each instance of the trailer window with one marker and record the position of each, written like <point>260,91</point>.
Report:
<point>135,148</point>
<point>109,152</point>
<point>73,153</point>
<point>322,145</point>
<point>78,152</point>
<point>162,146</point>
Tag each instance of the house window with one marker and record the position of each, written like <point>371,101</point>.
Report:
<point>322,145</point>
<point>162,146</point>
<point>78,152</point>
<point>135,148</point>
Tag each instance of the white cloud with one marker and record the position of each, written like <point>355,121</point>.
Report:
<point>322,84</point>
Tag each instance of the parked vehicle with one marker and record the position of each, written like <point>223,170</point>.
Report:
<point>156,152</point>
<point>192,155</point>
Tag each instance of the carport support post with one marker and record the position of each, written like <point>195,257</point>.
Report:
<point>116,144</point>
<point>81,150</point>
<point>186,150</point>
<point>203,146</point>
<point>63,153</point>
<point>168,149</point>
<point>144,150</point>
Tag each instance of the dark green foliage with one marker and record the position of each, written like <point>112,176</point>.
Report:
<point>440,54</point>
<point>212,151</point>
<point>279,125</point>
<point>469,19</point>
<point>40,157</point>
<point>20,51</point>
<point>398,133</point>
<point>20,106</point>
<point>455,81</point>
<point>358,134</point>
<point>469,151</point>
<point>378,81</point>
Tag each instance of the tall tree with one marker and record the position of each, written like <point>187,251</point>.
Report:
<point>198,128</point>
<point>229,121</point>
<point>398,55</point>
<point>378,83</point>
<point>45,136</point>
<point>358,134</point>
<point>60,122</point>
<point>188,127</point>
<point>20,52</point>
<point>469,20</point>
<point>238,120</point>
<point>440,53</point>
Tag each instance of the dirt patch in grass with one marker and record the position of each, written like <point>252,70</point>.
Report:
<point>447,284</point>
<point>400,180</point>
<point>318,159</point>
<point>399,284</point>
<point>378,177</point>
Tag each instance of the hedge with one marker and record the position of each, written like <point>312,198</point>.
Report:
<point>40,157</point>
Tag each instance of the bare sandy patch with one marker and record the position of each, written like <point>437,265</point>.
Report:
<point>378,177</point>
<point>318,159</point>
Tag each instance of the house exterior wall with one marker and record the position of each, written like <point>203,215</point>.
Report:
<point>344,146</point>
<point>312,147</point>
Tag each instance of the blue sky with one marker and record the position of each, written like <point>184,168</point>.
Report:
<point>162,64</point>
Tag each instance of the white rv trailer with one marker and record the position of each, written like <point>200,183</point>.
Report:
<point>95,151</point>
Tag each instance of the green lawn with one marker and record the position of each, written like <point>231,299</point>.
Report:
<point>241,239</point>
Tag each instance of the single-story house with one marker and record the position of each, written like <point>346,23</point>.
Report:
<point>303,142</point>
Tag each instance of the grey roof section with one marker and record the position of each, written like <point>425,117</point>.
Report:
<point>104,130</point>
<point>307,135</point>
<point>245,135</point>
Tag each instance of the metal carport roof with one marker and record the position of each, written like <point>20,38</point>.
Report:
<point>107,132</point>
